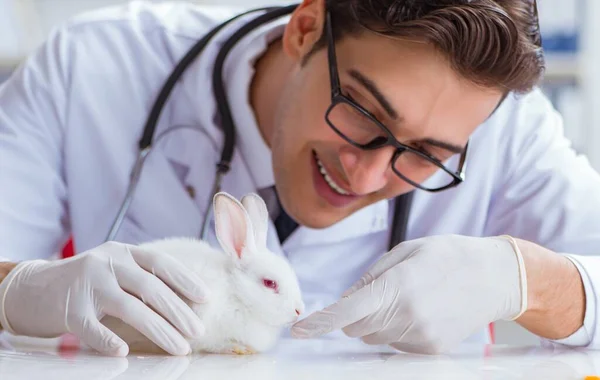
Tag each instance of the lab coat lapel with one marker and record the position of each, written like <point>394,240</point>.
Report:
<point>162,207</point>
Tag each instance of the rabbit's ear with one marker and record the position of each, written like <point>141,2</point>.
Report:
<point>259,216</point>
<point>232,225</point>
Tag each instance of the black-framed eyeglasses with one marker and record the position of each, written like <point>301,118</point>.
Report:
<point>361,129</point>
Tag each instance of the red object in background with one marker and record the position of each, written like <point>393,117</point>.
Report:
<point>68,249</point>
<point>68,346</point>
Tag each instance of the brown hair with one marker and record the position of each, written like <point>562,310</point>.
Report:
<point>494,43</point>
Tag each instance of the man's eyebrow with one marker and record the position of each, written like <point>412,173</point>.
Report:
<point>374,90</point>
<point>444,145</point>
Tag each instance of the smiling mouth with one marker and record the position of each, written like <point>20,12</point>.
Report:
<point>334,186</point>
<point>327,188</point>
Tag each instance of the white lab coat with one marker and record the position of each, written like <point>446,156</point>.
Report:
<point>71,117</point>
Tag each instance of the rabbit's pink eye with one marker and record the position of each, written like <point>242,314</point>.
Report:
<point>270,284</point>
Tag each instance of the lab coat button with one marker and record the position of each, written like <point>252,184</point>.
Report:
<point>191,191</point>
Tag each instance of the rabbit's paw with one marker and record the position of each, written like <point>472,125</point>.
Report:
<point>242,350</point>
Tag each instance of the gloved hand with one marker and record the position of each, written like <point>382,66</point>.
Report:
<point>46,299</point>
<point>428,295</point>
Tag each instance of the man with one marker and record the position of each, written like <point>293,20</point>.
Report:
<point>340,109</point>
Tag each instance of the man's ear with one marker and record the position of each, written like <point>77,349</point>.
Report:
<point>304,29</point>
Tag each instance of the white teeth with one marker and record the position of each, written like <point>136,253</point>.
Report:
<point>329,180</point>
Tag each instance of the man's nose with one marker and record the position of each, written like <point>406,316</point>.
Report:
<point>367,171</point>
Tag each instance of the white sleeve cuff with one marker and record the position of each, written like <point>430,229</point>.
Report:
<point>589,268</point>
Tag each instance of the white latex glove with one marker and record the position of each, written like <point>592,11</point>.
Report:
<point>46,299</point>
<point>428,295</point>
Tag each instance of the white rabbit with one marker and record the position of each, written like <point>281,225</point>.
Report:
<point>254,293</point>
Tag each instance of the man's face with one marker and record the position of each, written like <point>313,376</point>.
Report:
<point>430,102</point>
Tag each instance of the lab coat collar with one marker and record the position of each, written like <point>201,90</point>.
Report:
<point>238,72</point>
<point>240,64</point>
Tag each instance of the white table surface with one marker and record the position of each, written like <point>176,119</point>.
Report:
<point>294,359</point>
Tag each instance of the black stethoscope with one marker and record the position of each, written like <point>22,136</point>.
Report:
<point>402,203</point>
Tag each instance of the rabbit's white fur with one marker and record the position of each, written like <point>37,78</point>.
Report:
<point>241,314</point>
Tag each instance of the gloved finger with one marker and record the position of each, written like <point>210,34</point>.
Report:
<point>346,311</point>
<point>394,257</point>
<point>363,327</point>
<point>139,316</point>
<point>172,272</point>
<point>99,337</point>
<point>380,337</point>
<point>390,316</point>
<point>163,300</point>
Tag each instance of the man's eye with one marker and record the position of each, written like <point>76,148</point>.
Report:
<point>362,104</point>
<point>422,148</point>
<point>438,154</point>
<point>377,141</point>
